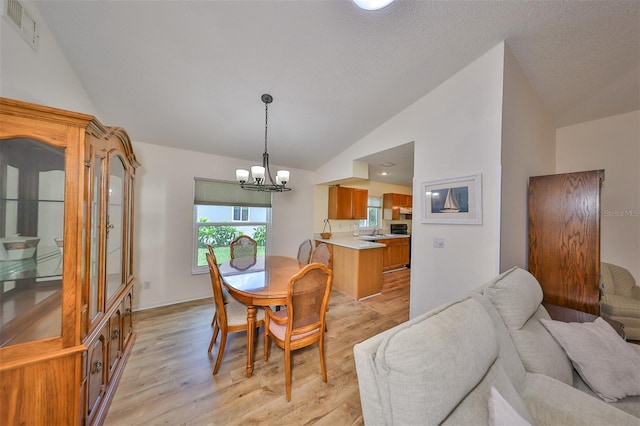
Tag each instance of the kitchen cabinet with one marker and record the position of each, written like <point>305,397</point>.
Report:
<point>347,203</point>
<point>356,272</point>
<point>564,238</point>
<point>392,203</point>
<point>66,264</point>
<point>395,254</point>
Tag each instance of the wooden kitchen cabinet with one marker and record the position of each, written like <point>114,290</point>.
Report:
<point>564,238</point>
<point>395,254</point>
<point>347,203</point>
<point>66,226</point>
<point>356,273</point>
<point>392,203</point>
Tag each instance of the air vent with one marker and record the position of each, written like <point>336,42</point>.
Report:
<point>22,22</point>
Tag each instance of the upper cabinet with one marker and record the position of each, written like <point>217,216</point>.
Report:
<point>66,282</point>
<point>347,203</point>
<point>394,205</point>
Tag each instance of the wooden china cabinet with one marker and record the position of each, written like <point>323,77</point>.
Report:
<point>66,276</point>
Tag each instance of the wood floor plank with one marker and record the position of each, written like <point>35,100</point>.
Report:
<point>168,379</point>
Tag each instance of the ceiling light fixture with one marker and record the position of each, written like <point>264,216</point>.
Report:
<point>372,4</point>
<point>261,173</point>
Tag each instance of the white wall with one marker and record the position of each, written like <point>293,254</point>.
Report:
<point>164,188</point>
<point>164,220</point>
<point>612,144</point>
<point>457,131</point>
<point>528,149</point>
<point>44,77</point>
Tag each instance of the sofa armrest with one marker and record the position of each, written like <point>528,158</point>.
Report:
<point>364,354</point>
<point>551,402</point>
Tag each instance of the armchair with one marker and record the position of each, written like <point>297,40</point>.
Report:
<point>620,299</point>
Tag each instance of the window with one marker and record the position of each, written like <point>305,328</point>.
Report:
<point>217,209</point>
<point>241,214</point>
<point>374,208</point>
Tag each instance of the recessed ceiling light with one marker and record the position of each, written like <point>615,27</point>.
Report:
<point>384,173</point>
<point>372,4</point>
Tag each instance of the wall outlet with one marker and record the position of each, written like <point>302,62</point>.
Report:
<point>146,285</point>
<point>438,242</point>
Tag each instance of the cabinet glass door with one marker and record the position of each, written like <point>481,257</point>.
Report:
<point>31,240</point>
<point>115,221</point>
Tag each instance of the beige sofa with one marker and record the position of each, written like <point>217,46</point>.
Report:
<point>486,359</point>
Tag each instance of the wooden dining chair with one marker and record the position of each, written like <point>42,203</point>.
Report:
<point>304,251</point>
<point>230,317</point>
<point>225,293</point>
<point>302,323</point>
<point>320,254</point>
<point>243,246</point>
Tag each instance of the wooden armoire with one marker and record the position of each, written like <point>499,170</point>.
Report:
<point>66,264</point>
<point>564,238</point>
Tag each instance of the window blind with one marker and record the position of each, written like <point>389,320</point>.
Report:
<point>220,193</point>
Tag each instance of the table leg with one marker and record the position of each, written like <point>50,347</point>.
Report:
<point>251,331</point>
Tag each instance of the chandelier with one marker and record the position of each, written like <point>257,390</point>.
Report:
<point>260,174</point>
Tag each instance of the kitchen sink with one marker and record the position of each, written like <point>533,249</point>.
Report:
<point>378,237</point>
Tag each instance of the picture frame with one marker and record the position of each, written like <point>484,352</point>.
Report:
<point>453,201</point>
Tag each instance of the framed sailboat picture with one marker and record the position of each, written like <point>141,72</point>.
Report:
<point>456,200</point>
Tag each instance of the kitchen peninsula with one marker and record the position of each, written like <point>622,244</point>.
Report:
<point>356,265</point>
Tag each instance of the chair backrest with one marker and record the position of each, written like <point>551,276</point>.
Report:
<point>307,299</point>
<point>243,246</point>
<point>616,280</point>
<point>304,251</point>
<point>211,252</point>
<point>216,286</point>
<point>321,254</point>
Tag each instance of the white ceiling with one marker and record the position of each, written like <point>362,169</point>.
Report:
<point>190,74</point>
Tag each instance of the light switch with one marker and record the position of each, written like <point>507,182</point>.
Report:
<point>438,242</point>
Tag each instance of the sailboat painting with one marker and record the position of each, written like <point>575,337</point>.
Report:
<point>457,200</point>
<point>450,200</point>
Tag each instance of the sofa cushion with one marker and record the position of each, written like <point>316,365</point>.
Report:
<point>502,413</point>
<point>551,402</point>
<point>426,367</point>
<point>475,408</point>
<point>507,351</point>
<point>517,295</point>
<point>604,361</point>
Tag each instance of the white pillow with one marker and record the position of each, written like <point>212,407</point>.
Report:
<point>604,361</point>
<point>503,414</point>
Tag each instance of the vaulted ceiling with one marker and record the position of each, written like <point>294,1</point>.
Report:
<point>190,74</point>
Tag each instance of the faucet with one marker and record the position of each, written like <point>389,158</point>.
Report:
<point>375,232</point>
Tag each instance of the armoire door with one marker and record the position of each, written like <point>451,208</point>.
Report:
<point>564,238</point>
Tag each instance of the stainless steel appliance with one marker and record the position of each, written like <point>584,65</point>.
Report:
<point>401,229</point>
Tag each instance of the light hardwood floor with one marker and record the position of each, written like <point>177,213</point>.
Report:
<point>168,378</point>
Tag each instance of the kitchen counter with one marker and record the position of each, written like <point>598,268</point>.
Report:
<point>356,265</point>
<point>382,237</point>
<point>354,243</point>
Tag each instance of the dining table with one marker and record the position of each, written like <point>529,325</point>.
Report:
<point>258,281</point>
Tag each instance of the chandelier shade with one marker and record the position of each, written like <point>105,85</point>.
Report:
<point>260,178</point>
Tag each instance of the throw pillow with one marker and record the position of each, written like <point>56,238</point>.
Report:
<point>604,361</point>
<point>501,413</point>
